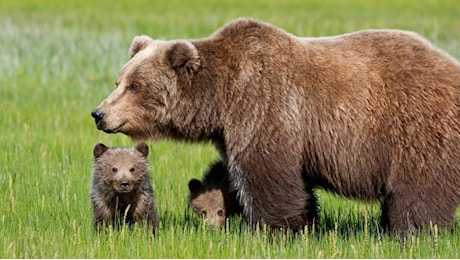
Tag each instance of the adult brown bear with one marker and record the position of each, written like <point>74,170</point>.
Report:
<point>372,115</point>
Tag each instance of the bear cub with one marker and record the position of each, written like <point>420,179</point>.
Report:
<point>212,198</point>
<point>121,192</point>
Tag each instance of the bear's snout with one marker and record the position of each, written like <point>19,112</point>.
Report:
<point>124,186</point>
<point>98,116</point>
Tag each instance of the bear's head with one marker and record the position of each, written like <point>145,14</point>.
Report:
<point>120,170</point>
<point>207,203</point>
<point>146,88</point>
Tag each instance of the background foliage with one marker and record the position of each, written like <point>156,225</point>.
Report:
<point>59,59</point>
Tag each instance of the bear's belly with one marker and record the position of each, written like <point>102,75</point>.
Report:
<point>362,187</point>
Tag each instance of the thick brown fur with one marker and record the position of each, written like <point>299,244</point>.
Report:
<point>372,115</point>
<point>121,191</point>
<point>212,198</point>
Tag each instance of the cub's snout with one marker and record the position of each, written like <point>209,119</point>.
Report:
<point>123,186</point>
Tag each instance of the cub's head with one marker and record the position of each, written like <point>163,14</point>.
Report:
<point>120,170</point>
<point>146,88</point>
<point>207,203</point>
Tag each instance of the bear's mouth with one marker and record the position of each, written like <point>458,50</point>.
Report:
<point>123,190</point>
<point>102,126</point>
<point>109,131</point>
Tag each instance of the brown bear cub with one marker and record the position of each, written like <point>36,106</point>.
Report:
<point>212,198</point>
<point>121,191</point>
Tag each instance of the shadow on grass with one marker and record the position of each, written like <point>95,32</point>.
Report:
<point>348,223</point>
<point>343,224</point>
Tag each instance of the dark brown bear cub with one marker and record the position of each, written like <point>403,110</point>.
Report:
<point>121,191</point>
<point>212,198</point>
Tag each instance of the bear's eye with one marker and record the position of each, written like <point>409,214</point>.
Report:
<point>131,169</point>
<point>220,212</point>
<point>204,212</point>
<point>133,87</point>
<point>114,169</point>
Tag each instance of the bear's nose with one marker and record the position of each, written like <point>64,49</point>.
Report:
<point>98,115</point>
<point>124,184</point>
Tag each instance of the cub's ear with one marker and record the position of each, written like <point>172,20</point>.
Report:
<point>183,57</point>
<point>138,44</point>
<point>99,149</point>
<point>194,185</point>
<point>143,148</point>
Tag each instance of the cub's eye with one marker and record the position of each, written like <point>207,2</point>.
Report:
<point>131,169</point>
<point>204,212</point>
<point>114,169</point>
<point>133,87</point>
<point>220,212</point>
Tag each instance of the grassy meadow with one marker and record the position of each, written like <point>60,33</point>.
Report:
<point>59,59</point>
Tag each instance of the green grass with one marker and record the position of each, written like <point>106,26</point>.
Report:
<point>59,59</point>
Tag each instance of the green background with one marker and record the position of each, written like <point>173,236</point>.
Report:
<point>59,59</point>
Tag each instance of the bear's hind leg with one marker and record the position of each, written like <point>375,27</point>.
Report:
<point>407,211</point>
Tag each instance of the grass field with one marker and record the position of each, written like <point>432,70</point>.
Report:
<point>59,59</point>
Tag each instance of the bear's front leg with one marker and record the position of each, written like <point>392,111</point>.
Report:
<point>272,191</point>
<point>103,214</point>
<point>152,218</point>
<point>145,210</point>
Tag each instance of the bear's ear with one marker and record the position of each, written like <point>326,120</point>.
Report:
<point>143,148</point>
<point>183,58</point>
<point>194,185</point>
<point>138,44</point>
<point>99,149</point>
